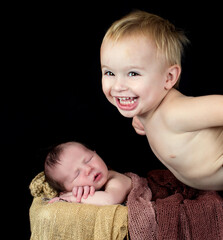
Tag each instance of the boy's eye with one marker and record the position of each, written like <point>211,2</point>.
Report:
<point>133,74</point>
<point>109,73</point>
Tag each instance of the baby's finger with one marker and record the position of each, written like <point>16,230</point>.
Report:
<point>74,191</point>
<point>79,194</point>
<point>68,197</point>
<point>56,199</point>
<point>92,190</point>
<point>86,191</point>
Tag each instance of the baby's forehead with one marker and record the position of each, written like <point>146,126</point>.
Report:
<point>75,146</point>
<point>71,146</point>
<point>75,150</point>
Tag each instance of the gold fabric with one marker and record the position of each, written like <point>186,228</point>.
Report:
<point>63,220</point>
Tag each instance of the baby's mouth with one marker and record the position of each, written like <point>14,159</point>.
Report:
<point>97,177</point>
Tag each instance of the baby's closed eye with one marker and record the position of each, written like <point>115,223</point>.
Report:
<point>76,174</point>
<point>87,160</point>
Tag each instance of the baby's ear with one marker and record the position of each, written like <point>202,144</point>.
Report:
<point>173,74</point>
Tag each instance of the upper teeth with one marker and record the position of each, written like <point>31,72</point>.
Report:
<point>127,100</point>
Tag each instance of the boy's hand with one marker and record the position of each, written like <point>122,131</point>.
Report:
<point>83,191</point>
<point>139,128</point>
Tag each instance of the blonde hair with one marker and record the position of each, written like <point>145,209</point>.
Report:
<point>169,41</point>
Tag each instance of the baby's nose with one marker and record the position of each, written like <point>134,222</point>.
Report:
<point>88,170</point>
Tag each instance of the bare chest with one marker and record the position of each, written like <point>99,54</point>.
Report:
<point>185,152</point>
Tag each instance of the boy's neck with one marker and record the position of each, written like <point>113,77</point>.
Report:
<point>146,117</point>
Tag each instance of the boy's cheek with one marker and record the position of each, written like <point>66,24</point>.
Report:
<point>111,100</point>
<point>106,91</point>
<point>105,85</point>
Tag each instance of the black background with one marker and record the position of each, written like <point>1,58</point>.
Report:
<point>51,87</point>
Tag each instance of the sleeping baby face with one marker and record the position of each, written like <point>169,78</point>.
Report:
<point>80,166</point>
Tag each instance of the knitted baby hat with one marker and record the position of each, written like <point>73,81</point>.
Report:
<point>40,188</point>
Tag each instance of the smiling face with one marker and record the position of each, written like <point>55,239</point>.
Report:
<point>80,166</point>
<point>134,75</point>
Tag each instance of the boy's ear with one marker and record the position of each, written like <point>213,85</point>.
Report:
<point>173,74</point>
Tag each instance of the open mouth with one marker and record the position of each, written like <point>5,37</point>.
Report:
<point>126,103</point>
<point>97,177</point>
<point>126,100</point>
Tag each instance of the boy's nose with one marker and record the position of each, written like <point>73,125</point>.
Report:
<point>120,84</point>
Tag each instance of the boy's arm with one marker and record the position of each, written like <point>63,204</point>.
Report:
<point>195,113</point>
<point>115,192</point>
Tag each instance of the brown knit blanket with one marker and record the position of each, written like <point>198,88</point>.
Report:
<point>161,207</point>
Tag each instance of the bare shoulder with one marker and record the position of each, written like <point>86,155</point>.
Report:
<point>170,109</point>
<point>116,179</point>
<point>174,98</point>
<point>192,113</point>
<point>113,175</point>
<point>177,99</point>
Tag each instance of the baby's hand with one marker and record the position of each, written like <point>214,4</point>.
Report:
<point>76,194</point>
<point>83,191</point>
<point>139,128</point>
<point>55,199</point>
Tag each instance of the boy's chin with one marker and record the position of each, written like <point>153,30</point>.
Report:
<point>127,114</point>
